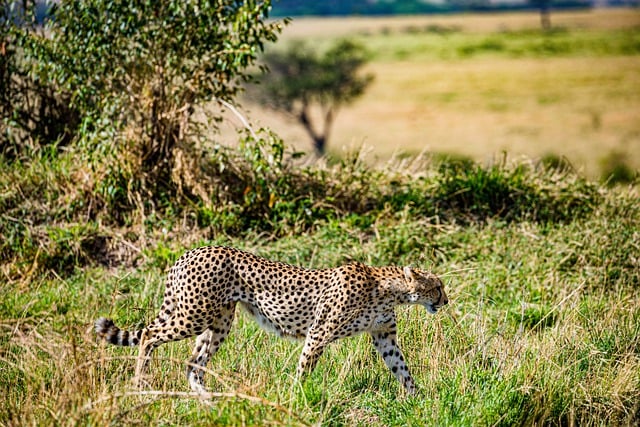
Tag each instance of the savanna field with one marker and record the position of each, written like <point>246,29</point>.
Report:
<point>538,247</point>
<point>440,82</point>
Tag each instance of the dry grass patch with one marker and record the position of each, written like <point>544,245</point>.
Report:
<point>494,84</point>
<point>597,19</point>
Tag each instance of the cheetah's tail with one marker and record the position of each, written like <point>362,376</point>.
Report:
<point>108,331</point>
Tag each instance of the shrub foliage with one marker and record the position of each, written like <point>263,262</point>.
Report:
<point>133,74</point>
<point>259,188</point>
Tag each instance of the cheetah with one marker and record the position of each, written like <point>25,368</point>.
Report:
<point>319,306</point>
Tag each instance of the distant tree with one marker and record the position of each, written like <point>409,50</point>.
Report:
<point>545,12</point>
<point>301,78</point>
<point>353,7</point>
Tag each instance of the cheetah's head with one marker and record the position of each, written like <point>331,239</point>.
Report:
<point>425,289</point>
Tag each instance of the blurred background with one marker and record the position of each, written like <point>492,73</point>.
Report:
<point>553,81</point>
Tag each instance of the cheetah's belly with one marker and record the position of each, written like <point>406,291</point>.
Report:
<point>291,326</point>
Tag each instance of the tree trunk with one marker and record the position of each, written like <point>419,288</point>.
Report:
<point>320,143</point>
<point>319,140</point>
<point>545,14</point>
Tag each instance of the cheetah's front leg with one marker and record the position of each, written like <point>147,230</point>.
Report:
<point>385,343</point>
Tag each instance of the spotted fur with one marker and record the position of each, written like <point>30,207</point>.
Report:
<point>320,306</point>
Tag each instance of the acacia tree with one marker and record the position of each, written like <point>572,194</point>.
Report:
<point>300,78</point>
<point>141,67</point>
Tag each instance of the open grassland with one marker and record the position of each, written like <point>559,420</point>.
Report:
<point>598,19</point>
<point>478,85</point>
<point>542,265</point>
<point>542,270</point>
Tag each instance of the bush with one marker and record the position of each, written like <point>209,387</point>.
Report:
<point>513,193</point>
<point>133,75</point>
<point>616,170</point>
<point>259,188</point>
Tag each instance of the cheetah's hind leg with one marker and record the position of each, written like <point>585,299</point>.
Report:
<point>149,341</point>
<point>198,361</point>
<point>207,344</point>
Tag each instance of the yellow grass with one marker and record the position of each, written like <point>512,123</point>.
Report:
<point>579,107</point>
<point>525,107</point>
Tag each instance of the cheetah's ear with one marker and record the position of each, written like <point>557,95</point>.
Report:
<point>408,273</point>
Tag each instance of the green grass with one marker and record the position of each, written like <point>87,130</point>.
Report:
<point>454,43</point>
<point>506,44</point>
<point>541,266</point>
<point>543,327</point>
